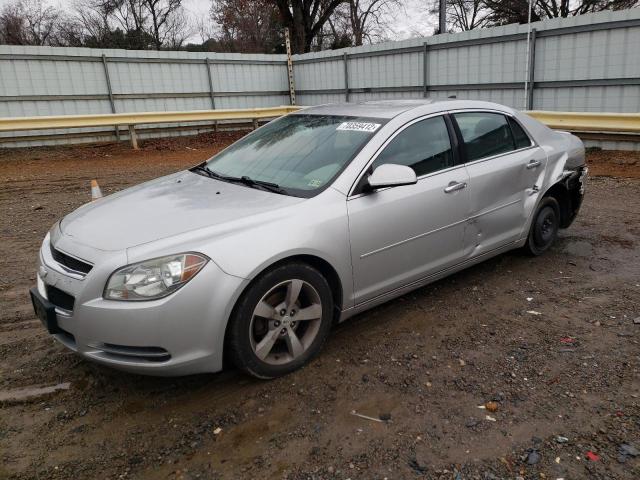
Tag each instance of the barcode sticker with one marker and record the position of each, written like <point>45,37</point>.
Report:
<point>358,126</point>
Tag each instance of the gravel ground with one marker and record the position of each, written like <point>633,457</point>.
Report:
<point>548,346</point>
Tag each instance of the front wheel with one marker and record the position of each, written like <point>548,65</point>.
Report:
<point>544,227</point>
<point>281,321</point>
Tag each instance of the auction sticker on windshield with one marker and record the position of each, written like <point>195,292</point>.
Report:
<point>358,126</point>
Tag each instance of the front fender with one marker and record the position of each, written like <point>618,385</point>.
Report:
<point>318,226</point>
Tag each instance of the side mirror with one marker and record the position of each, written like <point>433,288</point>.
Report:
<point>392,175</point>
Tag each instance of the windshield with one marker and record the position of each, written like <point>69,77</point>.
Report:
<point>302,154</point>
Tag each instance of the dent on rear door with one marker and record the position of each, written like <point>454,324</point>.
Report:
<point>502,191</point>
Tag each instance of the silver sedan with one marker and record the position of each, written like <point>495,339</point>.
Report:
<point>254,254</point>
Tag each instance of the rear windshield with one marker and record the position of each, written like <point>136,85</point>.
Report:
<point>300,153</point>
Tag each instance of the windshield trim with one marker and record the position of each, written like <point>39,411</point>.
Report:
<point>296,192</point>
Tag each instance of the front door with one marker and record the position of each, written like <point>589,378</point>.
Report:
<point>402,234</point>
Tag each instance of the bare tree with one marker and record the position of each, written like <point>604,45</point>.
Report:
<point>176,31</point>
<point>166,20</point>
<point>566,8</point>
<point>115,23</point>
<point>503,12</point>
<point>516,11</point>
<point>41,21</point>
<point>467,14</point>
<point>471,14</point>
<point>205,27</point>
<point>133,24</point>
<point>247,25</point>
<point>305,19</point>
<point>93,20</point>
<point>368,18</point>
<point>68,33</point>
<point>463,15</point>
<point>129,15</point>
<point>28,22</point>
<point>12,25</point>
<point>337,33</point>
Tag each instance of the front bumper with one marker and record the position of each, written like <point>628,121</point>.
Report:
<point>177,335</point>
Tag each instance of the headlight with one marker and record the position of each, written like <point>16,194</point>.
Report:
<point>155,278</point>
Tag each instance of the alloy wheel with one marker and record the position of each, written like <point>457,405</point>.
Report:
<point>285,322</point>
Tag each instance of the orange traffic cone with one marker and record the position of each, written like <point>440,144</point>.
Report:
<point>96,193</point>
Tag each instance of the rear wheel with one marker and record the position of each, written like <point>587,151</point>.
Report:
<point>544,227</point>
<point>281,321</point>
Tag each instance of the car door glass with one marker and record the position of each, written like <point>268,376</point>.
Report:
<point>423,146</point>
<point>519,135</point>
<point>484,134</point>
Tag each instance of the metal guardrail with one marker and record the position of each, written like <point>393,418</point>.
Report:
<point>624,125</point>
<point>145,118</point>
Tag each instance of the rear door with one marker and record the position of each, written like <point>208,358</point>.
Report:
<point>402,234</point>
<point>504,167</point>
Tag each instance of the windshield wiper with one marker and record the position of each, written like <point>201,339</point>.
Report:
<point>202,168</point>
<point>250,182</point>
<point>245,180</point>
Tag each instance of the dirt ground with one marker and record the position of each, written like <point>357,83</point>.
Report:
<point>553,342</point>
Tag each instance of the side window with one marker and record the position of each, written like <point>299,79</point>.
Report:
<point>484,134</point>
<point>519,135</point>
<point>424,146</point>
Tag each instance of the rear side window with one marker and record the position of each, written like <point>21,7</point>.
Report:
<point>484,134</point>
<point>424,146</point>
<point>519,135</point>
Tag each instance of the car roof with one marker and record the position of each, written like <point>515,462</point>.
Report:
<point>392,108</point>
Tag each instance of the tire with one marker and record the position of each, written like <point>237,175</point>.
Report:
<point>281,321</point>
<point>544,227</point>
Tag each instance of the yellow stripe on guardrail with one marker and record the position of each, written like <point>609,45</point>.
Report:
<point>112,119</point>
<point>574,121</point>
<point>589,122</point>
<point>582,122</point>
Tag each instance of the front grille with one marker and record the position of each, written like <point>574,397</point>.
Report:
<point>70,262</point>
<point>60,299</point>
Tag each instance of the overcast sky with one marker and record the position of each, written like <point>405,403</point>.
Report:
<point>410,20</point>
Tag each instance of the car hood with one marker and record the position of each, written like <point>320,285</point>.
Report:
<point>165,207</point>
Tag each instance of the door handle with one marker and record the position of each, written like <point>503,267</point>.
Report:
<point>455,186</point>
<point>533,164</point>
